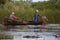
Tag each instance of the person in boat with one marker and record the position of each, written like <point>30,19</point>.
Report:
<point>36,15</point>
<point>13,18</point>
<point>44,20</point>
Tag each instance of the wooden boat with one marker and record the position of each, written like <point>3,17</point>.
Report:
<point>22,23</point>
<point>6,21</point>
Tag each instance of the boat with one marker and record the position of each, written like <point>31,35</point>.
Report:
<point>6,21</point>
<point>22,23</point>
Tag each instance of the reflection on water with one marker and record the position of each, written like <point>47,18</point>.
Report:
<point>18,35</point>
<point>42,36</point>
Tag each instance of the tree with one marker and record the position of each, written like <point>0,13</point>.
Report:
<point>28,1</point>
<point>57,1</point>
<point>4,1</point>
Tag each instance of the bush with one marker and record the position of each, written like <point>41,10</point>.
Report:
<point>3,36</point>
<point>26,11</point>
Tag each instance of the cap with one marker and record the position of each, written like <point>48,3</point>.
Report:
<point>13,13</point>
<point>37,11</point>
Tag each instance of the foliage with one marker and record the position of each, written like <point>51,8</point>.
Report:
<point>4,1</point>
<point>49,9</point>
<point>26,10</point>
<point>4,36</point>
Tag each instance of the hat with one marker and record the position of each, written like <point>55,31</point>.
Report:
<point>13,13</point>
<point>37,11</point>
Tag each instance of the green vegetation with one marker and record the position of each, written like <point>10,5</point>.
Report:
<point>26,10</point>
<point>4,36</point>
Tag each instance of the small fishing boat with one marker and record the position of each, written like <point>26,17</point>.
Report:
<point>6,21</point>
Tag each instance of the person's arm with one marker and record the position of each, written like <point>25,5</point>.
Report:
<point>39,15</point>
<point>14,16</point>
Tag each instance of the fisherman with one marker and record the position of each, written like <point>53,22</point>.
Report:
<point>36,15</point>
<point>44,20</point>
<point>13,18</point>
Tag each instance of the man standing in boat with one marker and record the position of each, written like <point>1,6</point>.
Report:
<point>36,15</point>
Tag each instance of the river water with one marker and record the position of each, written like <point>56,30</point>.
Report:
<point>18,35</point>
<point>41,35</point>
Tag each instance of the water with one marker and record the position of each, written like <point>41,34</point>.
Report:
<point>42,36</point>
<point>22,31</point>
